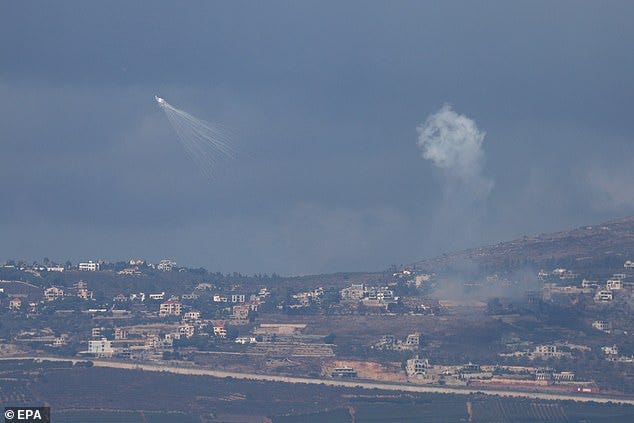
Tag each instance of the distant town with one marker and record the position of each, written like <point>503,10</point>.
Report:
<point>555,330</point>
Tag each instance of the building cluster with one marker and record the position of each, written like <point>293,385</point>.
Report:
<point>613,353</point>
<point>602,292</point>
<point>49,295</point>
<point>606,292</point>
<point>370,296</point>
<point>420,370</point>
<point>135,266</point>
<point>557,274</point>
<point>307,298</point>
<point>391,342</point>
<point>42,337</point>
<point>242,304</point>
<point>555,351</point>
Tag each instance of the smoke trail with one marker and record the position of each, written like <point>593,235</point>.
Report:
<point>204,143</point>
<point>453,142</point>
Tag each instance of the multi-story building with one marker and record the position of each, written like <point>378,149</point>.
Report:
<point>417,366</point>
<point>241,311</point>
<point>220,331</point>
<point>89,266</point>
<point>603,296</point>
<point>546,351</point>
<point>602,325</point>
<point>53,293</point>
<point>412,340</point>
<point>344,372</point>
<point>101,348</point>
<point>191,316</point>
<point>613,284</point>
<point>15,303</point>
<point>170,307</point>
<point>186,330</point>
<point>237,298</point>
<point>354,292</point>
<point>120,333</point>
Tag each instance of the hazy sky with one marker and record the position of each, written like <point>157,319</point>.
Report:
<point>325,99</point>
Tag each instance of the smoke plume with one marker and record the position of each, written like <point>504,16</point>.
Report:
<point>453,142</point>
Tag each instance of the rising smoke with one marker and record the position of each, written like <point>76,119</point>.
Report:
<point>204,143</point>
<point>453,143</point>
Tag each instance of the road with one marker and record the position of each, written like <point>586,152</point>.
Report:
<point>336,383</point>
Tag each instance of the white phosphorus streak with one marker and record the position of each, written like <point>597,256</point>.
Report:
<point>206,144</point>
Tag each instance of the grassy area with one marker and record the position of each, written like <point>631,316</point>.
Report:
<point>94,394</point>
<point>99,416</point>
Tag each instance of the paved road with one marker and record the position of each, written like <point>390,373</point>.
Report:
<point>336,383</point>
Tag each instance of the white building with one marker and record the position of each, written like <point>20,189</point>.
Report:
<point>53,293</point>
<point>237,298</point>
<point>629,264</point>
<point>610,350</point>
<point>170,307</point>
<point>602,325</point>
<point>192,316</point>
<point>100,348</point>
<point>220,331</point>
<point>613,284</point>
<point>186,330</point>
<point>354,292</point>
<point>55,268</point>
<point>159,296</point>
<point>589,284</point>
<point>166,265</point>
<point>603,296</point>
<point>89,266</point>
<point>246,340</point>
<point>15,303</point>
<point>546,351</point>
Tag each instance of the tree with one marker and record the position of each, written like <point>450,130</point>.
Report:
<point>330,339</point>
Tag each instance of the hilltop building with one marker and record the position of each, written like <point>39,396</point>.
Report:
<point>166,265</point>
<point>89,266</point>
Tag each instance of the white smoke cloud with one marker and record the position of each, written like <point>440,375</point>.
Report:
<point>453,142</point>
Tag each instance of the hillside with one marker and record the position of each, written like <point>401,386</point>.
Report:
<point>595,246</point>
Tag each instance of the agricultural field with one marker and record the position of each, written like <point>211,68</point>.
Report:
<point>79,393</point>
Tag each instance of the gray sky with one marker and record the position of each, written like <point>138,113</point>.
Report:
<point>325,99</point>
